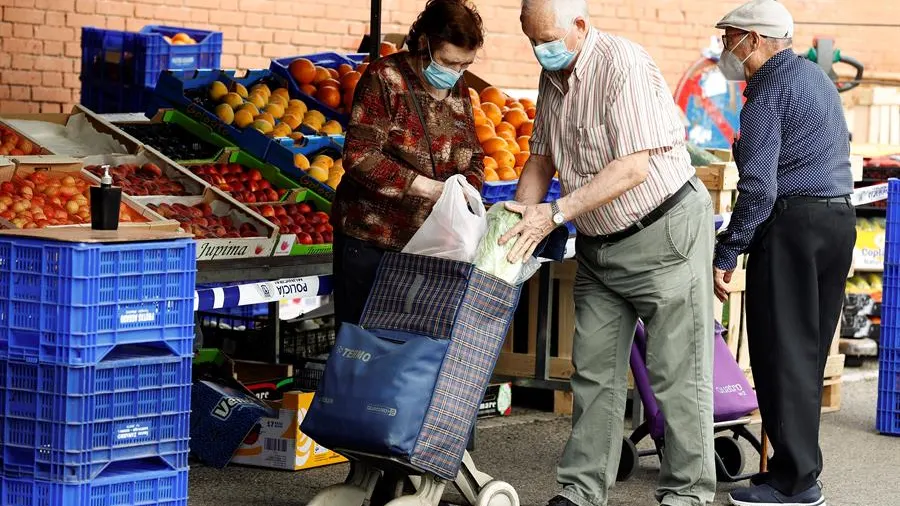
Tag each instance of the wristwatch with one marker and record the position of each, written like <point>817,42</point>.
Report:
<point>557,216</point>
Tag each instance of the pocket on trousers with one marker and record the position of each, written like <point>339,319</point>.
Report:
<point>682,229</point>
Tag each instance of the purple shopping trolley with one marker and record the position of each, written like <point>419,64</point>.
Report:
<point>733,401</point>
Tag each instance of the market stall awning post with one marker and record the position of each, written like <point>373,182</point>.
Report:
<point>375,30</point>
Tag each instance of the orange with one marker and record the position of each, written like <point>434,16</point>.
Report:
<point>330,83</point>
<point>512,146</point>
<point>334,73</point>
<point>484,132</point>
<point>522,141</point>
<point>309,89</point>
<point>521,158</point>
<point>527,103</point>
<point>492,111</point>
<point>329,96</point>
<point>321,75</point>
<point>515,105</point>
<point>344,69</point>
<point>303,71</point>
<point>481,118</point>
<point>387,48</point>
<point>526,128</point>
<point>349,80</point>
<point>494,144</point>
<point>362,68</point>
<point>490,163</point>
<point>507,174</point>
<point>473,96</point>
<point>504,130</point>
<point>490,174</point>
<point>531,112</point>
<point>505,159</point>
<point>493,95</point>
<point>515,117</point>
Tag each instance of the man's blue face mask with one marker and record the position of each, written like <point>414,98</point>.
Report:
<point>554,55</point>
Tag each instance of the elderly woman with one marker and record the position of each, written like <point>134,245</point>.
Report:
<point>411,128</point>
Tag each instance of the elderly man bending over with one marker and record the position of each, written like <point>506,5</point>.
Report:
<point>607,122</point>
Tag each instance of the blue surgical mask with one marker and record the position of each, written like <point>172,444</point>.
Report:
<point>440,76</point>
<point>554,55</point>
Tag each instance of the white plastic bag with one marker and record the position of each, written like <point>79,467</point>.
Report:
<point>455,226</point>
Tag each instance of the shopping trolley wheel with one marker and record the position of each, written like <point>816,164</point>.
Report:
<point>628,462</point>
<point>729,458</point>
<point>498,493</point>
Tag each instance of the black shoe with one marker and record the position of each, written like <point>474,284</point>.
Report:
<point>765,495</point>
<point>759,479</point>
<point>560,501</point>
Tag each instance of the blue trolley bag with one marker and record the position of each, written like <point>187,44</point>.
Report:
<point>407,383</point>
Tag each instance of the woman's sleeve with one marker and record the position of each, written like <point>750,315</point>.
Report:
<point>475,173</point>
<point>364,157</point>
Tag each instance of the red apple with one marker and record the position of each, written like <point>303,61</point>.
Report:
<point>254,175</point>
<point>304,208</point>
<point>304,238</point>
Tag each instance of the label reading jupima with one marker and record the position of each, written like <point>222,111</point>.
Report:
<point>133,432</point>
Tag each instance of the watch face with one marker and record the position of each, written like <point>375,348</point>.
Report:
<point>558,219</point>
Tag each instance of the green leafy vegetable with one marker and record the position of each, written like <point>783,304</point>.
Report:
<point>490,256</point>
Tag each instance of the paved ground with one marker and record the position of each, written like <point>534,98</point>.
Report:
<point>861,466</point>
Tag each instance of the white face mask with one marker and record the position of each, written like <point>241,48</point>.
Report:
<point>729,64</point>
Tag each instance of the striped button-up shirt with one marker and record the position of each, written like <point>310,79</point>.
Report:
<point>615,103</point>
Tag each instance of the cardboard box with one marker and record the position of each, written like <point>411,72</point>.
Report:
<point>281,445</point>
<point>58,166</point>
<point>497,401</point>
<point>44,130</point>
<point>222,419</point>
<point>224,205</point>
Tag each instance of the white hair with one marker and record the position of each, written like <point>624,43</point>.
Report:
<point>565,11</point>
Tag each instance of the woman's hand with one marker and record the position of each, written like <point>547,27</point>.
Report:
<point>426,188</point>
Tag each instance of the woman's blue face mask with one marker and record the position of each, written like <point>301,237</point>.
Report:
<point>554,55</point>
<point>440,76</point>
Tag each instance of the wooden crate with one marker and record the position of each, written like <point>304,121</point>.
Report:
<point>721,180</point>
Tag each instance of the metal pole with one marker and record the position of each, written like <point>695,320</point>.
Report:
<point>375,30</point>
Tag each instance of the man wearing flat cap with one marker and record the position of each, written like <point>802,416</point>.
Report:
<point>794,218</point>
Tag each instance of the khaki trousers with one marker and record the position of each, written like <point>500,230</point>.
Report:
<point>663,275</point>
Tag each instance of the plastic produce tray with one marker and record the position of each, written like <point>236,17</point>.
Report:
<point>68,424</point>
<point>187,91</point>
<point>71,303</point>
<point>139,57</point>
<point>142,485</point>
<point>328,60</point>
<point>500,191</point>
<point>281,155</point>
<point>110,97</point>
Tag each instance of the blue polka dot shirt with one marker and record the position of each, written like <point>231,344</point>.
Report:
<point>793,141</point>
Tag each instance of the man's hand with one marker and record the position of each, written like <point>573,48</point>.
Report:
<point>720,283</point>
<point>535,225</point>
<point>426,188</point>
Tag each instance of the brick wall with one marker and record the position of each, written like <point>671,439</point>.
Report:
<point>40,52</point>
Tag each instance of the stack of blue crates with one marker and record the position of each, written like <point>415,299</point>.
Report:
<point>119,69</point>
<point>888,419</point>
<point>95,372</point>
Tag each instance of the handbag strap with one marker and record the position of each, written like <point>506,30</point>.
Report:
<point>418,108</point>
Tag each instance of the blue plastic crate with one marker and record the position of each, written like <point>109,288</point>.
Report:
<point>68,424</point>
<point>137,58</point>
<point>143,484</point>
<point>892,232</point>
<point>500,191</point>
<point>888,414</point>
<point>106,98</point>
<point>71,303</point>
<point>328,60</point>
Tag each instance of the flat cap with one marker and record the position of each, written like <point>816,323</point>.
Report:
<point>768,18</point>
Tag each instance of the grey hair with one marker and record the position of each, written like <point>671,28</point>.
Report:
<point>565,11</point>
